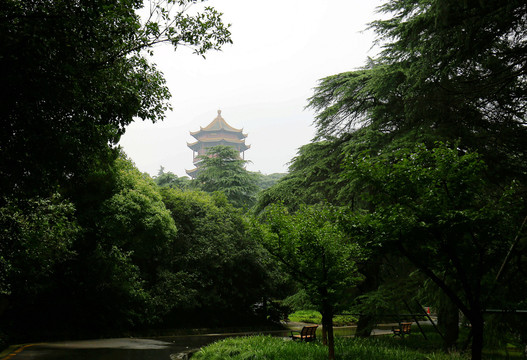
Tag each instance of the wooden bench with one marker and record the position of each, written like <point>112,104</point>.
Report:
<point>308,333</point>
<point>403,329</point>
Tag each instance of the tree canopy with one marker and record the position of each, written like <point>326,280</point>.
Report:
<point>436,208</point>
<point>169,179</point>
<point>85,236</point>
<point>449,70</point>
<point>452,72</point>
<point>77,76</point>
<point>314,177</point>
<point>221,169</point>
<point>312,247</point>
<point>215,274</point>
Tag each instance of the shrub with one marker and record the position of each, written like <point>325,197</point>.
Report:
<point>272,348</point>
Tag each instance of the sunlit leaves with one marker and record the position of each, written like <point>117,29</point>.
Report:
<point>176,22</point>
<point>313,247</point>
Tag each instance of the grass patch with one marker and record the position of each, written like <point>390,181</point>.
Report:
<point>344,319</point>
<point>314,317</point>
<point>270,348</point>
<point>412,347</point>
<point>261,347</point>
<point>306,316</point>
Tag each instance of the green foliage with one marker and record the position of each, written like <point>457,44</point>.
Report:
<point>127,235</point>
<point>36,235</point>
<point>436,204</point>
<point>314,317</point>
<point>299,301</point>
<point>136,220</point>
<point>97,259</point>
<point>313,248</point>
<point>266,181</point>
<point>115,287</point>
<point>306,316</point>
<point>169,179</point>
<point>260,347</point>
<point>214,262</point>
<point>223,170</point>
<point>314,177</point>
<point>399,290</point>
<point>449,70</point>
<point>89,272</point>
<point>36,241</point>
<point>437,208</point>
<point>265,347</point>
<point>77,77</point>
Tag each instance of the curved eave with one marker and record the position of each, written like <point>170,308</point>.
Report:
<point>220,124</point>
<point>203,132</point>
<point>192,173</point>
<point>221,141</point>
<point>193,145</point>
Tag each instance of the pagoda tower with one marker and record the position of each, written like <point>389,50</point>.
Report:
<point>218,132</point>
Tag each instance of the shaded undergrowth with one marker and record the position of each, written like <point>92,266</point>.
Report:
<point>269,348</point>
<point>412,347</point>
<point>314,317</point>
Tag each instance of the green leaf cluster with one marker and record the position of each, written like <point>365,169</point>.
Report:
<point>223,170</point>
<point>214,255</point>
<point>169,179</point>
<point>77,76</point>
<point>449,72</point>
<point>36,235</point>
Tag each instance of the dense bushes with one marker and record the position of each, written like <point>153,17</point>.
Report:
<point>215,265</point>
<point>125,254</point>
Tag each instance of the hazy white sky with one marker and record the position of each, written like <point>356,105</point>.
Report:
<point>261,82</point>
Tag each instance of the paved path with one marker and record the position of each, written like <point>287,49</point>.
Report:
<point>161,348</point>
<point>104,349</point>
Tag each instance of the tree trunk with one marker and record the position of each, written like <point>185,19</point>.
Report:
<point>477,335</point>
<point>327,328</point>
<point>365,326</point>
<point>371,271</point>
<point>448,322</point>
<point>4,302</point>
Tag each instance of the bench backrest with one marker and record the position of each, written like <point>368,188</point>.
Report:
<point>406,327</point>
<point>309,331</point>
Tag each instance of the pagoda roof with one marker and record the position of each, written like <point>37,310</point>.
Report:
<point>219,124</point>
<point>192,173</point>
<point>223,140</point>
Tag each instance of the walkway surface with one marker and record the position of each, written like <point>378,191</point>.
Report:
<point>160,348</point>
